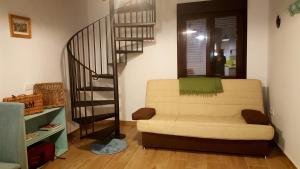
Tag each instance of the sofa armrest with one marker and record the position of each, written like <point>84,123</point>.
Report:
<point>255,117</point>
<point>143,114</point>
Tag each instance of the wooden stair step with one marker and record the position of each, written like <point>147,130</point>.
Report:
<point>133,39</point>
<point>96,89</point>
<point>111,64</point>
<point>137,40</point>
<point>136,7</point>
<point>101,134</point>
<point>103,76</point>
<point>128,51</point>
<point>134,24</point>
<point>94,103</point>
<point>89,119</point>
<point>132,47</point>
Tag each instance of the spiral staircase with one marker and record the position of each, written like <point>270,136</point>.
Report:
<point>94,54</point>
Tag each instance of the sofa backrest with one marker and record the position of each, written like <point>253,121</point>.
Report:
<point>164,96</point>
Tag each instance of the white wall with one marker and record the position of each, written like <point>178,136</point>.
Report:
<point>29,61</point>
<point>97,9</point>
<point>284,79</point>
<point>159,60</point>
<point>258,35</point>
<point>37,60</point>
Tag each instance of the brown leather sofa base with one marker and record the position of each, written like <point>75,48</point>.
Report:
<point>259,148</point>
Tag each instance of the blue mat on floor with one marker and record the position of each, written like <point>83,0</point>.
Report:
<point>109,147</point>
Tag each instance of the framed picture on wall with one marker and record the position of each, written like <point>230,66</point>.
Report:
<point>20,26</point>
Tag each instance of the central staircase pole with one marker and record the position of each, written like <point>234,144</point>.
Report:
<point>115,72</point>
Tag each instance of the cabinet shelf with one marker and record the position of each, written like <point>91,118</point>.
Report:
<point>42,135</point>
<point>14,125</point>
<point>46,111</point>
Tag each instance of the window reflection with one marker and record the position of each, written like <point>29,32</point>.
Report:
<point>224,60</point>
<point>196,47</point>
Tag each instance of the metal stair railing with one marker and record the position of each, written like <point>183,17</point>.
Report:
<point>93,55</point>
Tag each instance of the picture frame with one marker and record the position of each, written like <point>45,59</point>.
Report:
<point>20,26</point>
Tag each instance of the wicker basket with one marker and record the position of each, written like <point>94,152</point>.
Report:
<point>33,103</point>
<point>53,94</point>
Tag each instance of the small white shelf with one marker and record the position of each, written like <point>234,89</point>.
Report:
<point>42,135</point>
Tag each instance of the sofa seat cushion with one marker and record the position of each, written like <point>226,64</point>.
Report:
<point>9,166</point>
<point>211,127</point>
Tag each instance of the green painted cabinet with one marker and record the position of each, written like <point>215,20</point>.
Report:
<point>16,144</point>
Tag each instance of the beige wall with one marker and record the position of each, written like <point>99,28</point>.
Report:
<point>40,59</point>
<point>97,9</point>
<point>258,35</point>
<point>284,79</point>
<point>28,61</point>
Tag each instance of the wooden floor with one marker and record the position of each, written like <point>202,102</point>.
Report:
<point>135,157</point>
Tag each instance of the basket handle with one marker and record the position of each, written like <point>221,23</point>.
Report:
<point>14,96</point>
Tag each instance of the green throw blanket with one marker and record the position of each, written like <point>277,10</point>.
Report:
<point>200,85</point>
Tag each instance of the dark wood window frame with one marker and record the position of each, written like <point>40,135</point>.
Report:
<point>215,8</point>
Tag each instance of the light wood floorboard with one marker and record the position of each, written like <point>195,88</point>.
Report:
<point>135,157</point>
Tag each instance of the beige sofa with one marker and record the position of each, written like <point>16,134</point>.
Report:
<point>208,122</point>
